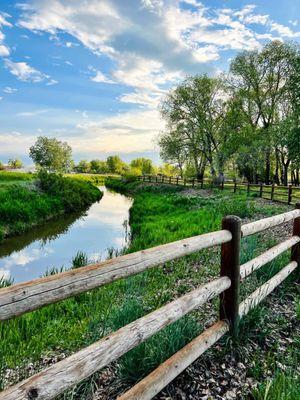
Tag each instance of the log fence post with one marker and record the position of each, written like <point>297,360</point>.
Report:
<point>261,190</point>
<point>193,182</point>
<point>170,180</point>
<point>230,266</point>
<point>234,187</point>
<point>177,180</point>
<point>290,193</point>
<point>202,183</point>
<point>272,191</point>
<point>248,188</point>
<point>295,251</point>
<point>156,178</point>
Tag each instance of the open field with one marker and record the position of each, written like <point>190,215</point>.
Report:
<point>160,214</point>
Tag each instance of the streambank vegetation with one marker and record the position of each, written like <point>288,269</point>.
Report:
<point>27,200</point>
<point>159,214</point>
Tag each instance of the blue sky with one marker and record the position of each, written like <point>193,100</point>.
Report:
<point>92,72</point>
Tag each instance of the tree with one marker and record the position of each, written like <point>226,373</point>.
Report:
<point>99,167</point>
<point>15,163</point>
<point>143,164</point>
<point>261,80</point>
<point>51,154</point>
<point>83,167</point>
<point>1,166</point>
<point>173,149</point>
<point>197,110</point>
<point>116,165</point>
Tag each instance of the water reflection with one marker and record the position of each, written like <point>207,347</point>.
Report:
<point>55,243</point>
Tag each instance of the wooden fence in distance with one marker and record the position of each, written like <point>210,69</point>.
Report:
<point>284,194</point>
<point>25,297</point>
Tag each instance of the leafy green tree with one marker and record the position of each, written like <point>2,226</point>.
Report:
<point>116,165</point>
<point>261,80</point>
<point>197,110</point>
<point>173,149</point>
<point>15,163</point>
<point>99,167</point>
<point>83,167</point>
<point>143,164</point>
<point>51,154</point>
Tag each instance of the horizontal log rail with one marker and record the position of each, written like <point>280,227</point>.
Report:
<point>60,376</point>
<point>263,291</point>
<point>279,193</point>
<point>268,256</point>
<point>148,387</point>
<point>24,297</point>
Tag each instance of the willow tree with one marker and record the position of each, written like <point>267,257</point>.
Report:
<point>197,111</point>
<point>261,79</point>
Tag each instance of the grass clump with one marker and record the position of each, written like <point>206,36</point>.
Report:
<point>282,387</point>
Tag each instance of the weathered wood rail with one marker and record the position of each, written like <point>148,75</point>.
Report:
<point>283,194</point>
<point>25,297</point>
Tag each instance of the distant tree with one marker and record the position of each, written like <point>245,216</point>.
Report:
<point>116,165</point>
<point>99,167</point>
<point>168,170</point>
<point>1,166</point>
<point>173,149</point>
<point>15,163</point>
<point>83,166</point>
<point>51,154</point>
<point>144,164</point>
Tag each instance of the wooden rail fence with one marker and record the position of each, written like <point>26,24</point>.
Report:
<point>284,194</point>
<point>25,297</point>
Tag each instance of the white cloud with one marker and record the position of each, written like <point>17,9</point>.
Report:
<point>284,31</point>
<point>51,82</point>
<point>31,113</point>
<point>4,49</point>
<point>24,72</point>
<point>101,78</point>
<point>9,90</point>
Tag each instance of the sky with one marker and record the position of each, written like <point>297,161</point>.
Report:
<point>93,72</point>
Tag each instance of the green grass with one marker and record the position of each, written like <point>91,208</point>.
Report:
<point>26,203</point>
<point>282,387</point>
<point>159,214</point>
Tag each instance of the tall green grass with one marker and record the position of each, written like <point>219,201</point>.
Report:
<point>159,215</point>
<point>22,207</point>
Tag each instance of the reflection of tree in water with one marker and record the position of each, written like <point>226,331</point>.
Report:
<point>45,233</point>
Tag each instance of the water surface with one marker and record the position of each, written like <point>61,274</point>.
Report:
<point>104,225</point>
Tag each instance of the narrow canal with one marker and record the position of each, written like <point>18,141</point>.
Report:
<point>104,226</point>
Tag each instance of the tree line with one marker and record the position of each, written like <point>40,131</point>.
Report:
<point>243,124</point>
<point>55,156</point>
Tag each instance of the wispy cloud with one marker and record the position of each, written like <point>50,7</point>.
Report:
<point>24,72</point>
<point>4,49</point>
<point>9,90</point>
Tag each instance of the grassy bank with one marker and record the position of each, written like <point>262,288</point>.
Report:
<point>27,200</point>
<point>159,214</point>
